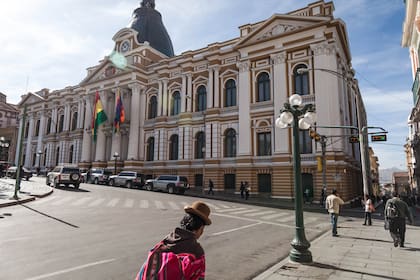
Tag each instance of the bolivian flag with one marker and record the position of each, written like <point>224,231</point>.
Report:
<point>99,116</point>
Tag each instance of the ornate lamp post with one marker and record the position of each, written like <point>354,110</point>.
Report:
<point>298,117</point>
<point>115,156</point>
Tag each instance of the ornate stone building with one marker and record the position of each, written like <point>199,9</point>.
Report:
<point>8,130</point>
<point>210,113</point>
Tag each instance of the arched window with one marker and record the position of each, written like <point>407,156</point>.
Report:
<point>71,154</point>
<point>150,153</point>
<point>230,143</point>
<point>173,147</point>
<point>200,145</point>
<point>57,156</point>
<point>152,107</point>
<point>74,121</point>
<point>263,87</point>
<point>61,123</point>
<point>230,93</point>
<point>201,99</point>
<point>176,103</point>
<point>49,126</point>
<point>301,80</point>
<point>37,127</point>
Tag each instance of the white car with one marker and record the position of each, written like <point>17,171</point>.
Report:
<point>64,175</point>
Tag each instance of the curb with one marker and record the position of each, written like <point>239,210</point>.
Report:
<point>16,202</point>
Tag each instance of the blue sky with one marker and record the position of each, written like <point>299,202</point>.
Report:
<point>49,44</point>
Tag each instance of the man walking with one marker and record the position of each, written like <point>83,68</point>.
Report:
<point>211,186</point>
<point>396,213</point>
<point>332,204</point>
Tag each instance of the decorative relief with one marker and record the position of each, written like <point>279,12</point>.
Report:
<point>278,29</point>
<point>279,58</point>
<point>243,66</point>
<point>324,49</point>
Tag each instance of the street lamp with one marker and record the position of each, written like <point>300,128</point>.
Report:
<point>298,117</point>
<point>115,156</point>
<point>38,168</point>
<point>4,145</point>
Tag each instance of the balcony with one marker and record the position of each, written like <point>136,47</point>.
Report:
<point>415,88</point>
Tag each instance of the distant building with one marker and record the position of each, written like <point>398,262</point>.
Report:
<point>401,183</point>
<point>411,33</point>
<point>8,130</point>
<point>374,172</point>
<point>211,112</point>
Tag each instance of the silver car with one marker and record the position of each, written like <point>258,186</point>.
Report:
<point>168,183</point>
<point>128,179</point>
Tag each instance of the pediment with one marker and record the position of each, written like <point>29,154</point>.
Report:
<point>125,33</point>
<point>30,98</point>
<point>103,71</point>
<point>279,25</point>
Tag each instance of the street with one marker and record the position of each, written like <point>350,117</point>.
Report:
<point>102,232</point>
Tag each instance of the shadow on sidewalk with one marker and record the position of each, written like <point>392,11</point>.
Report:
<point>367,239</point>
<point>336,268</point>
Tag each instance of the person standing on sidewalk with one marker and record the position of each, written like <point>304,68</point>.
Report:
<point>247,190</point>
<point>396,212</point>
<point>242,189</point>
<point>369,208</point>
<point>211,186</point>
<point>332,204</point>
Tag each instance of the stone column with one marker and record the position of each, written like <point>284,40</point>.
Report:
<point>183,93</point>
<point>133,145</point>
<point>67,116</point>
<point>87,131</point>
<point>160,101</point>
<point>280,96</point>
<point>100,154</point>
<point>165,101</point>
<point>189,93</point>
<point>28,151</point>
<point>142,111</point>
<point>210,92</point>
<point>216,88</point>
<point>40,137</point>
<point>244,102</point>
<point>80,114</point>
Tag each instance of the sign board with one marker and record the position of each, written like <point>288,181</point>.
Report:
<point>378,137</point>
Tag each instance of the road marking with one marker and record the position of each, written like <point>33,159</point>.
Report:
<point>129,203</point>
<point>81,201</point>
<point>275,216</point>
<point>159,205</point>
<point>259,213</point>
<point>244,211</point>
<point>173,205</point>
<point>113,202</point>
<point>144,203</point>
<point>235,229</point>
<point>286,219</point>
<point>61,201</point>
<point>96,202</point>
<point>211,205</point>
<point>231,210</point>
<point>69,270</point>
<point>253,220</point>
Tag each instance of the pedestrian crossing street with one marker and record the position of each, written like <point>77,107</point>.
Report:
<point>218,208</point>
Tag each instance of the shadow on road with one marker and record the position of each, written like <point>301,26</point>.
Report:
<point>46,215</point>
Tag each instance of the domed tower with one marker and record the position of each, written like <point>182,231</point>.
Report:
<point>148,23</point>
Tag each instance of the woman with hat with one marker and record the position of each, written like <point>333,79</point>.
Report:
<point>183,243</point>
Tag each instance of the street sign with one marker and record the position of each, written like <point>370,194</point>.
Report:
<point>353,139</point>
<point>378,137</point>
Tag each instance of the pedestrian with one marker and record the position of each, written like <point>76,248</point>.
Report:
<point>179,254</point>
<point>323,196</point>
<point>211,186</point>
<point>396,212</point>
<point>247,190</point>
<point>332,204</point>
<point>242,189</point>
<point>369,208</point>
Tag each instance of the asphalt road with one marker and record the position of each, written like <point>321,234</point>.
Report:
<point>101,232</point>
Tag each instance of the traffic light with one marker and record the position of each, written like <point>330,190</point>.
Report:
<point>353,139</point>
<point>319,163</point>
<point>314,135</point>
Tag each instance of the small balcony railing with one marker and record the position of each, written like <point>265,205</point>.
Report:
<point>415,88</point>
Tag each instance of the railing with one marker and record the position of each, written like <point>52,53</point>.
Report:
<point>415,88</point>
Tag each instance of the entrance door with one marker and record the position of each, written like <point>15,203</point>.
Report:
<point>230,181</point>
<point>308,186</point>
<point>264,183</point>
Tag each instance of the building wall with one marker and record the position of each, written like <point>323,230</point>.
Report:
<point>274,47</point>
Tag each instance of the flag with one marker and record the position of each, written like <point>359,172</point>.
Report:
<point>119,112</point>
<point>99,116</point>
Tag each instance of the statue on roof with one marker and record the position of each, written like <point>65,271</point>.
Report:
<point>148,3</point>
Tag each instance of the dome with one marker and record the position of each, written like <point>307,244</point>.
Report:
<point>148,23</point>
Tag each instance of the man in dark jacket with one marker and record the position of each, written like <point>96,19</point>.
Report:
<point>397,224</point>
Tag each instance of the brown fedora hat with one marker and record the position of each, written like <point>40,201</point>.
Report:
<point>200,209</point>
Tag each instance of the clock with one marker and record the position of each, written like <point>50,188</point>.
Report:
<point>125,46</point>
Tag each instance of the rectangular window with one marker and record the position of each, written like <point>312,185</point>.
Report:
<point>305,142</point>
<point>264,144</point>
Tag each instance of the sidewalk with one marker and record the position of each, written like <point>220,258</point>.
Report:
<point>360,252</point>
<point>28,191</point>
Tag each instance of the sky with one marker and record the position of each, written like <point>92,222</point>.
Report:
<point>50,44</point>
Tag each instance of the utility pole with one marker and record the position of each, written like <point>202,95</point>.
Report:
<point>323,141</point>
<point>19,159</point>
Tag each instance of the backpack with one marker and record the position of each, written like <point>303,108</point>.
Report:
<point>161,264</point>
<point>391,210</point>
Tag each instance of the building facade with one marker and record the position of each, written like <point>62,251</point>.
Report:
<point>410,40</point>
<point>210,113</point>
<point>8,131</point>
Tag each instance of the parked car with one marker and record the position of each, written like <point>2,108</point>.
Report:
<point>169,183</point>
<point>127,178</point>
<point>64,175</point>
<point>12,172</point>
<point>99,176</point>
